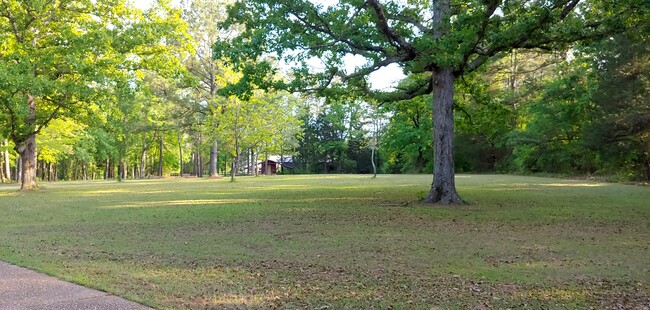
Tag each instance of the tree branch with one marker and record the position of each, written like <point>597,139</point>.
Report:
<point>388,31</point>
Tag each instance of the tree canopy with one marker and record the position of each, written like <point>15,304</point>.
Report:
<point>61,58</point>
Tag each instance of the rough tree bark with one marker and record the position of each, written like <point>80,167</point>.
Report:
<point>443,189</point>
<point>27,151</point>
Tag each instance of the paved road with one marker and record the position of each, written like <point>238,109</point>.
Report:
<point>22,288</point>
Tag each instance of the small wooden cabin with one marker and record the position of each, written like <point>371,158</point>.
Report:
<point>271,165</point>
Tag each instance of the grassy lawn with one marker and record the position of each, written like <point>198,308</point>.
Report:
<point>336,242</point>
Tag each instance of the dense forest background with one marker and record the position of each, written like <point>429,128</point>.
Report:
<point>582,111</point>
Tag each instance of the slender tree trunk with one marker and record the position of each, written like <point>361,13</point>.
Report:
<point>143,155</point>
<point>372,160</point>
<point>160,157</point>
<point>249,155</point>
<point>199,158</point>
<point>214,153</point>
<point>75,169</point>
<point>375,122</point>
<point>235,165</point>
<point>443,189</point>
<point>195,163</point>
<point>255,159</point>
<point>7,163</point>
<point>121,170</point>
<point>27,151</point>
<point>281,167</point>
<point>180,155</point>
<point>19,169</point>
<point>2,174</point>
<point>266,170</point>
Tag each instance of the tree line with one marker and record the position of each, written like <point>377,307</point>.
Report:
<point>103,90</point>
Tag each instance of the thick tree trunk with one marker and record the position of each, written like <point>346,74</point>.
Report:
<point>443,189</point>
<point>27,151</point>
<point>214,153</point>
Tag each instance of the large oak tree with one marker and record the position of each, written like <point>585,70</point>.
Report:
<point>434,41</point>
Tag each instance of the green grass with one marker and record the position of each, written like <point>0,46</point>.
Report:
<point>339,242</point>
